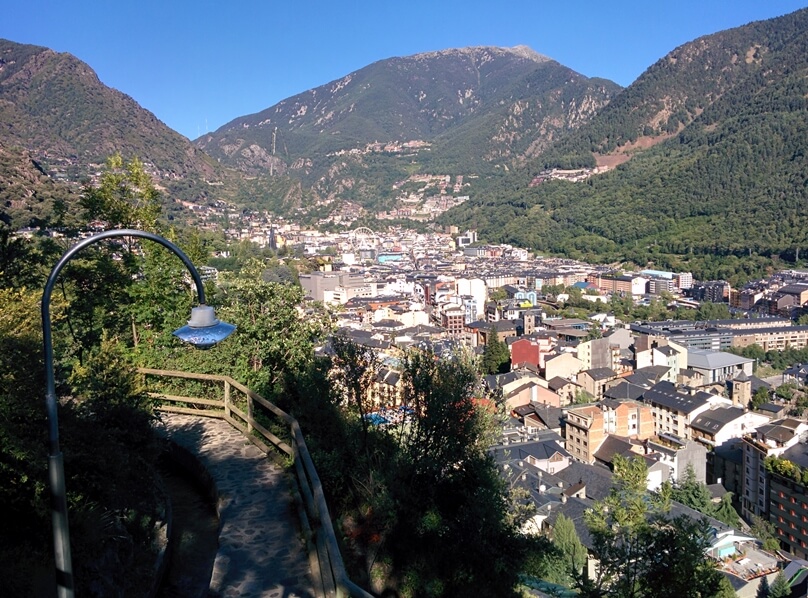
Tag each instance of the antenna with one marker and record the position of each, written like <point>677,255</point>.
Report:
<point>272,162</point>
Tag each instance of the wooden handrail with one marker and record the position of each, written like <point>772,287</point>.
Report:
<point>316,509</point>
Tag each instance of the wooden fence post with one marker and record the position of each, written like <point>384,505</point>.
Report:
<point>227,399</point>
<point>250,417</point>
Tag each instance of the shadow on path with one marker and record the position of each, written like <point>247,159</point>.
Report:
<point>261,550</point>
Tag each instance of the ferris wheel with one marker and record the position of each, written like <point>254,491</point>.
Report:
<point>364,238</point>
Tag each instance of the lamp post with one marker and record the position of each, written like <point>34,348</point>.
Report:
<point>203,331</point>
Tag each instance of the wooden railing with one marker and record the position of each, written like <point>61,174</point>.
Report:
<point>227,399</point>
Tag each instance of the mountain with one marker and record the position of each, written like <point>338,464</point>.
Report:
<point>28,196</point>
<point>713,141</point>
<point>461,110</point>
<point>54,107</point>
<point>675,90</point>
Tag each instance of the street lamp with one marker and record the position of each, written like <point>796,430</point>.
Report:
<point>203,331</point>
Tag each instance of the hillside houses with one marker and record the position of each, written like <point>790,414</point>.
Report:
<point>585,391</point>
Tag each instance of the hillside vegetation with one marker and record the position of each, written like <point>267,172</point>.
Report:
<point>732,183</point>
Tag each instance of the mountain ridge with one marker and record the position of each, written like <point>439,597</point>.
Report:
<point>476,108</point>
<point>715,132</point>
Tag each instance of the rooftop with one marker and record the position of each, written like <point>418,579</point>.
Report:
<point>668,395</point>
<point>706,359</point>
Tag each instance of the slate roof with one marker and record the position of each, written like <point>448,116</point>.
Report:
<point>558,383</point>
<point>714,420</point>
<point>541,450</point>
<point>611,446</point>
<point>601,373</point>
<point>771,408</point>
<point>549,416</point>
<point>494,381</point>
<point>716,490</point>
<point>667,350</point>
<point>781,430</point>
<point>624,390</point>
<point>598,479</point>
<point>647,377</point>
<point>758,382</point>
<point>667,395</point>
<point>422,329</point>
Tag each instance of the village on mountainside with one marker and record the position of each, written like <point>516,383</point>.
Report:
<point>583,391</point>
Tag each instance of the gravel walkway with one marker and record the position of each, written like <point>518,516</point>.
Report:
<point>261,551</point>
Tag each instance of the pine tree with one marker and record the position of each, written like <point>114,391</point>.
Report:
<point>566,539</point>
<point>496,357</point>
<point>780,587</point>
<point>763,588</point>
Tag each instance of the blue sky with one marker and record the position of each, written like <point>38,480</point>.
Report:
<point>197,65</point>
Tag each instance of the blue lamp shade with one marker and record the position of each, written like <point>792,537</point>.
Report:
<point>203,329</point>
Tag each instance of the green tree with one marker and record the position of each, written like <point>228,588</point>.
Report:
<point>449,491</point>
<point>726,513</point>
<point>780,587</point>
<point>354,372</point>
<point>616,524</point>
<point>760,396</point>
<point>496,356</point>
<point>713,311</point>
<point>275,340</point>
<point>764,531</point>
<point>574,553</point>
<point>497,294</point>
<point>125,196</point>
<point>693,493</point>
<point>786,391</point>
<point>629,520</point>
<point>763,588</point>
<point>678,558</point>
<point>594,332</point>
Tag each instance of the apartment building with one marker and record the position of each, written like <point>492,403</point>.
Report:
<point>769,440</point>
<point>674,408</point>
<point>587,427</point>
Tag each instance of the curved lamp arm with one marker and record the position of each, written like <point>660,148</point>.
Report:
<point>203,331</point>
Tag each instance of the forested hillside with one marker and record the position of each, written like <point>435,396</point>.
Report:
<point>731,184</point>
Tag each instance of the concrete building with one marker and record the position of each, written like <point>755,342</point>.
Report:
<point>634,286</point>
<point>718,366</point>
<point>769,440</point>
<point>595,381</point>
<point>658,350</point>
<point>674,408</point>
<point>679,455</point>
<point>722,424</point>
<point>336,287</point>
<point>588,426</point>
<point>564,365</point>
